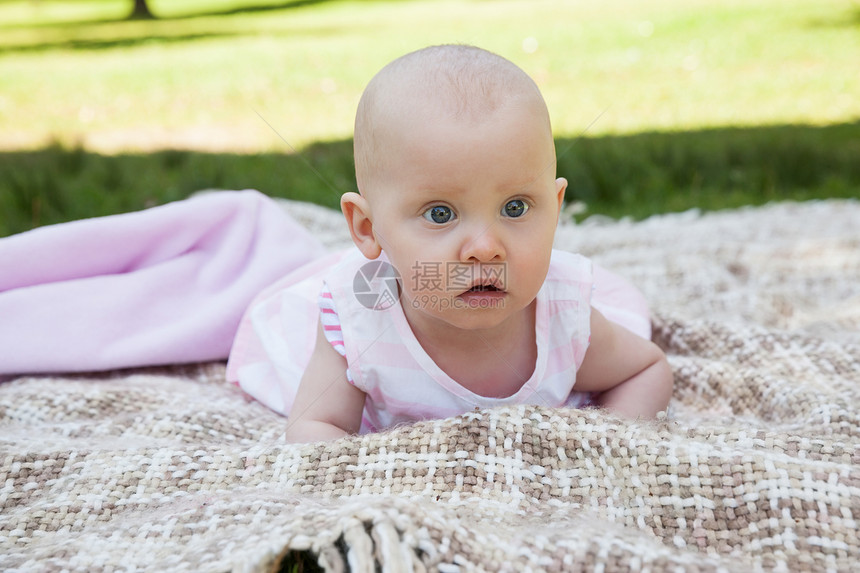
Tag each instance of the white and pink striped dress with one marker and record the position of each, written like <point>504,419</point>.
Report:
<point>385,360</point>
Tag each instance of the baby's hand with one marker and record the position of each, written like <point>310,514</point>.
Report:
<point>305,431</point>
<point>631,374</point>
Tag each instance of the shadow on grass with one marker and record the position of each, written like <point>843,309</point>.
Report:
<point>251,7</point>
<point>123,33</point>
<point>146,37</point>
<point>116,42</point>
<point>254,8</point>
<point>631,175</point>
<point>850,19</point>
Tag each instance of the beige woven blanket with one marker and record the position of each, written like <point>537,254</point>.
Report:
<point>757,467</point>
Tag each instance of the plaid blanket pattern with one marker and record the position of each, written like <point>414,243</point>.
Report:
<point>757,466</point>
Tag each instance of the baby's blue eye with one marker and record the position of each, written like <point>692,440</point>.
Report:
<point>515,208</point>
<point>439,214</point>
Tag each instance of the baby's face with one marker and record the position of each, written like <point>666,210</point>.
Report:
<point>466,210</point>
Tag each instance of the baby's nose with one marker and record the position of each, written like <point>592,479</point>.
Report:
<point>484,245</point>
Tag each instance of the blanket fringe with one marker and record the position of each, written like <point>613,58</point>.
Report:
<point>367,544</point>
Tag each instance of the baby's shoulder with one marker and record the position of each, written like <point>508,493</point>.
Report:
<point>567,267</point>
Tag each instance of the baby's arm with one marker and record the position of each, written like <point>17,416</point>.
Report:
<point>327,406</point>
<point>630,373</point>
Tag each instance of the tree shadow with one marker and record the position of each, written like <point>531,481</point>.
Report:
<point>146,37</point>
<point>715,168</point>
<point>616,175</point>
<point>850,19</point>
<point>251,8</point>
<point>122,33</point>
<point>108,43</point>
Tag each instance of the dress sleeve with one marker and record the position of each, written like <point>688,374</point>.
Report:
<point>331,324</point>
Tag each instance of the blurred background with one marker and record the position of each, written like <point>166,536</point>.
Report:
<point>109,106</point>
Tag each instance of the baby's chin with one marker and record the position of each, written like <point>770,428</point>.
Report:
<point>473,313</point>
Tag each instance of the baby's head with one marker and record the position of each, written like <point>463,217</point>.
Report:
<point>463,84</point>
<point>455,164</point>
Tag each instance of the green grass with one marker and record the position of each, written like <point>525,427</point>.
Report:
<point>198,81</point>
<point>298,562</point>
<point>682,103</point>
<point>616,175</point>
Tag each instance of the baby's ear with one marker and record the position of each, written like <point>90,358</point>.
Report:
<point>356,209</point>
<point>560,188</point>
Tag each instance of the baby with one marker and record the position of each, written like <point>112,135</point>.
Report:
<point>456,212</point>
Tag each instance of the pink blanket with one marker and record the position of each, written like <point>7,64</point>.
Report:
<point>161,286</point>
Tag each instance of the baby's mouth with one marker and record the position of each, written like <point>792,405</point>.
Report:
<point>484,288</point>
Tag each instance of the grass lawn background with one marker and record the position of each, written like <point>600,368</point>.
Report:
<point>657,105</point>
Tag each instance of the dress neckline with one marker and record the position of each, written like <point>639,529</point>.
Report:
<point>429,365</point>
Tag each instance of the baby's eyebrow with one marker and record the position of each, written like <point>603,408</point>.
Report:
<point>428,194</point>
<point>526,190</point>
